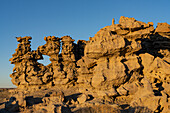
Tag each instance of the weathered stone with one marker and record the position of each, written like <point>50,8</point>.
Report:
<point>111,92</point>
<point>122,91</point>
<point>82,98</point>
<point>132,63</point>
<point>97,80</point>
<point>130,23</point>
<point>126,63</point>
<point>162,27</point>
<point>166,88</point>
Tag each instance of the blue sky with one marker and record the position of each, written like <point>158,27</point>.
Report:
<point>80,19</point>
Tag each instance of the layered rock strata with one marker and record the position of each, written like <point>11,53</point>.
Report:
<point>125,67</point>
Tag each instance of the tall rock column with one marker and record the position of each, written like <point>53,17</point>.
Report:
<point>26,67</point>
<point>23,47</point>
<point>68,57</point>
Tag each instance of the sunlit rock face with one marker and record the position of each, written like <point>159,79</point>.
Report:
<point>123,64</point>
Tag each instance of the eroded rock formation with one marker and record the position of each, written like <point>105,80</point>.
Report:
<point>124,67</point>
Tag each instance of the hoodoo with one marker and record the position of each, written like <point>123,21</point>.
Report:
<point>125,67</point>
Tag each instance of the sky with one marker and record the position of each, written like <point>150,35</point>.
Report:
<point>80,19</point>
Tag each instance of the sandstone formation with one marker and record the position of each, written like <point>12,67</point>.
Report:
<point>125,67</point>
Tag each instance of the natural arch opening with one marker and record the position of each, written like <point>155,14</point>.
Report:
<point>45,60</point>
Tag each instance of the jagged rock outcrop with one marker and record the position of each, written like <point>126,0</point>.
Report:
<point>125,67</point>
<point>26,71</point>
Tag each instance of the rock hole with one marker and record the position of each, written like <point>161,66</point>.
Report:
<point>45,60</point>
